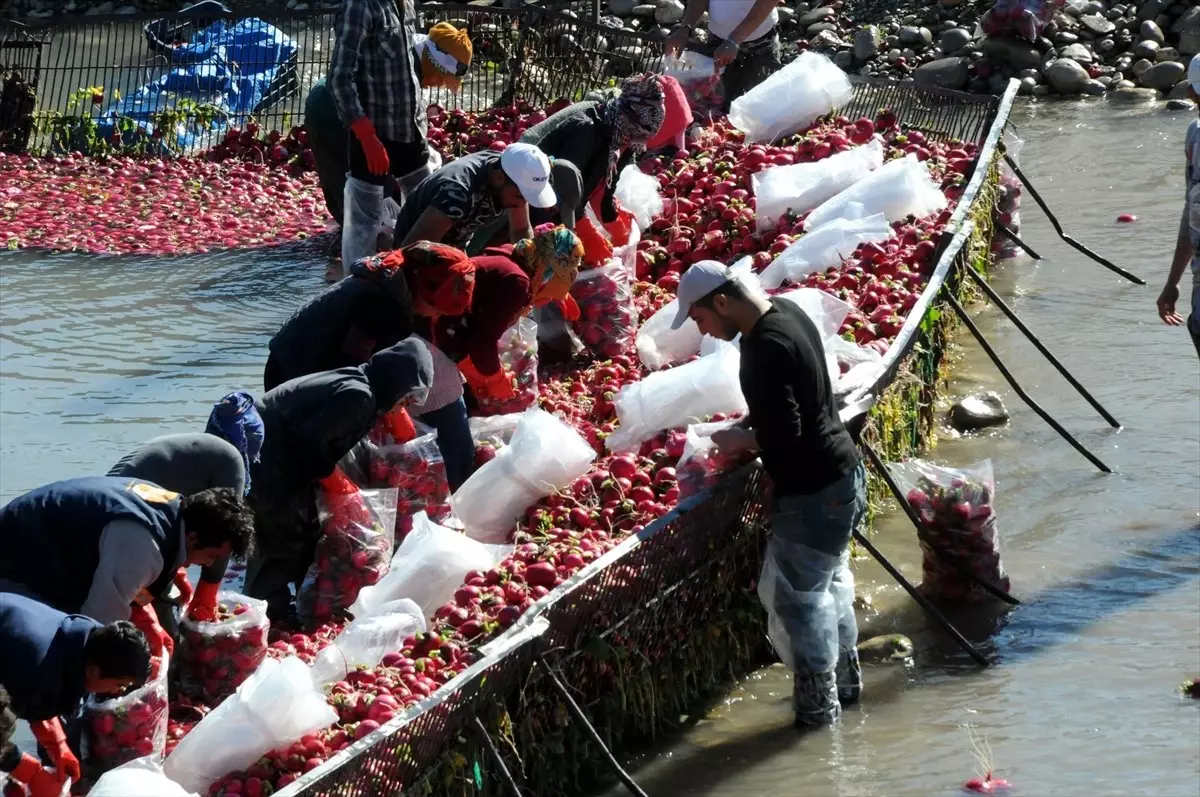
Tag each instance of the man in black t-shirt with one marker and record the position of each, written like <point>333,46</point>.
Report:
<point>818,475</point>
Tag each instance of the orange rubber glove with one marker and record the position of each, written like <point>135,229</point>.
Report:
<point>145,619</point>
<point>497,386</point>
<point>185,587</point>
<point>621,229</point>
<point>40,781</point>
<point>337,483</point>
<point>203,606</point>
<point>569,308</point>
<point>400,425</point>
<point>50,736</point>
<point>373,149</point>
<point>596,248</point>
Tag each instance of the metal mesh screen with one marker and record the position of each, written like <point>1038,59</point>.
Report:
<point>20,73</point>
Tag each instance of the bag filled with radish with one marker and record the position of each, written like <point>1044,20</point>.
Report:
<point>607,321</point>
<point>519,359</point>
<point>956,508</point>
<point>366,640</point>
<point>131,726</point>
<point>702,464</point>
<point>417,472</point>
<point>214,657</point>
<point>353,551</point>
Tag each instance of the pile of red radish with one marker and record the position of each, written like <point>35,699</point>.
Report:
<point>709,214</point>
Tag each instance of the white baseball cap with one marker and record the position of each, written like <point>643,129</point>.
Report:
<point>704,277</point>
<point>1194,73</point>
<point>529,168</point>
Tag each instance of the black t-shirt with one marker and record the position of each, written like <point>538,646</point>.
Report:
<point>804,445</point>
<point>460,190</point>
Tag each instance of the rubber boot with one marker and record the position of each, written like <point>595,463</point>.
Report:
<point>849,676</point>
<point>360,227</point>
<point>815,699</point>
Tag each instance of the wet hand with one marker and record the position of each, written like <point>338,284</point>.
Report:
<point>725,54</point>
<point>1166,306</point>
<point>676,41</point>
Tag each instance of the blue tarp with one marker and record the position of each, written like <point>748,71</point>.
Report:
<point>229,66</point>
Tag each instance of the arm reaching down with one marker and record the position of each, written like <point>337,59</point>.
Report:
<point>129,562</point>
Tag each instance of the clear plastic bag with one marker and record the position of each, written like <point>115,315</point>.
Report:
<point>142,777</point>
<point>428,567</point>
<point>215,657</point>
<point>546,454</point>
<point>956,507</point>
<point>702,464</point>
<point>638,193</point>
<point>353,551</point>
<point>130,726</point>
<point>273,708</point>
<point>852,367</point>
<point>607,322</point>
<point>827,311</point>
<point>495,430</point>
<point>898,189</point>
<point>518,357</point>
<point>417,472</point>
<point>790,99</point>
<point>801,187</point>
<point>802,611</point>
<point>1007,212</point>
<point>842,589</point>
<point>700,80</point>
<point>363,203</point>
<point>822,248</point>
<point>366,640</point>
<point>685,394</point>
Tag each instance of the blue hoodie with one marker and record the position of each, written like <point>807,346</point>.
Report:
<point>42,665</point>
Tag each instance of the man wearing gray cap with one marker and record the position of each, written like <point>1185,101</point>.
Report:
<point>818,475</point>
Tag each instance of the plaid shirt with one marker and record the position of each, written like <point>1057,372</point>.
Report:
<point>373,72</point>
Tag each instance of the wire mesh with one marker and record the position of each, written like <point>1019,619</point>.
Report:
<point>20,73</point>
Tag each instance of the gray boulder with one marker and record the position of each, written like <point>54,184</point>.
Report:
<point>1146,49</point>
<point>1152,8</point>
<point>1188,21</point>
<point>1181,105</point>
<point>1150,31</point>
<point>1017,54</point>
<point>866,43</point>
<point>1097,24</point>
<point>915,37</point>
<point>1066,76</point>
<point>954,39</point>
<point>1189,43</point>
<point>821,14</point>
<point>948,73</point>
<point>1077,52</point>
<point>1166,54</point>
<point>1180,91</point>
<point>978,411</point>
<point>644,10</point>
<point>1139,67</point>
<point>1131,96</point>
<point>1163,76</point>
<point>1094,88</point>
<point>668,12</point>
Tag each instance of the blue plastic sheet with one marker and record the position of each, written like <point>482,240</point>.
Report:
<point>231,66</point>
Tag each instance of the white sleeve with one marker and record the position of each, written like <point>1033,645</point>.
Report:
<point>129,562</point>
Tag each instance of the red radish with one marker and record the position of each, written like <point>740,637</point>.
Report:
<point>1126,218</point>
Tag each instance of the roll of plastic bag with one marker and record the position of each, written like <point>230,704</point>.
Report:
<point>676,397</point>
<point>428,566</point>
<point>545,455</point>
<point>142,777</point>
<point>638,193</point>
<point>802,613</point>
<point>801,187</point>
<point>363,203</point>
<point>898,189</point>
<point>659,346</point>
<point>822,248</point>
<point>272,708</point>
<point>790,99</point>
<point>495,430</point>
<point>366,640</point>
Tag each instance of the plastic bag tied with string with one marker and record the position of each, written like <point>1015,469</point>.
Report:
<point>131,726</point>
<point>519,359</point>
<point>800,187</point>
<point>215,657</point>
<point>702,463</point>
<point>791,99</point>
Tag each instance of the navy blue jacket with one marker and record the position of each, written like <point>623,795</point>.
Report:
<point>42,665</point>
<point>50,536</point>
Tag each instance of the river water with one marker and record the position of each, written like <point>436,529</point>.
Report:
<point>97,355</point>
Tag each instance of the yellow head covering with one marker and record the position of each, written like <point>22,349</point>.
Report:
<point>445,57</point>
<point>552,259</point>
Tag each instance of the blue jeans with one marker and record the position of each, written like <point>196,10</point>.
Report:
<point>454,441</point>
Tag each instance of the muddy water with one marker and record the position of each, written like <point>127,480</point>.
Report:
<point>97,355</point>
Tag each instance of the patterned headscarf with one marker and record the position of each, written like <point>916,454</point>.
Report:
<point>634,117</point>
<point>440,278</point>
<point>552,260</point>
<point>235,420</point>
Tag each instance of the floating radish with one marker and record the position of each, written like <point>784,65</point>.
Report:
<point>985,783</point>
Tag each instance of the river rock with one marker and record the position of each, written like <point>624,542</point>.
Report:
<point>1152,8</point>
<point>843,59</point>
<point>1150,31</point>
<point>954,39</point>
<point>1166,54</point>
<point>1027,86</point>
<point>1066,76</point>
<point>1017,54</point>
<point>890,648</point>
<point>1163,76</point>
<point>1140,66</point>
<point>866,43</point>
<point>948,73</point>
<point>1181,105</point>
<point>1188,21</point>
<point>1077,52</point>
<point>915,37</point>
<point>1097,24</point>
<point>1189,43</point>
<point>1130,96</point>
<point>645,10</point>
<point>820,14</point>
<point>622,8</point>
<point>978,411</point>
<point>1180,91</point>
<point>1145,49</point>
<point>826,40</point>
<point>1094,88</point>
<point>668,12</point>
<point>820,27</point>
<point>1064,37</point>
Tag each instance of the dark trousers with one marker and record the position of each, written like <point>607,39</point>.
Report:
<point>403,158</point>
<point>756,61</point>
<point>454,441</point>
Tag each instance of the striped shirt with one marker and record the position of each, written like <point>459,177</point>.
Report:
<point>373,72</point>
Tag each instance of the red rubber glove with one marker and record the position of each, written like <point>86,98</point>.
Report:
<point>373,149</point>
<point>52,739</point>
<point>337,483</point>
<point>596,248</point>
<point>400,425</point>
<point>203,607</point>
<point>185,587</point>
<point>497,386</point>
<point>40,781</point>
<point>146,620</point>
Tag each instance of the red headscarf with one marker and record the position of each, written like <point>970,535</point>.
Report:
<point>678,117</point>
<point>440,278</point>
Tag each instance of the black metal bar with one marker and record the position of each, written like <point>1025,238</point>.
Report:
<point>497,759</point>
<point>946,625</point>
<point>1016,386</point>
<point>1108,264</point>
<point>1012,236</point>
<point>582,719</point>
<point>950,557</point>
<point>1062,369</point>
